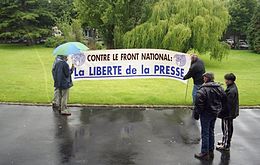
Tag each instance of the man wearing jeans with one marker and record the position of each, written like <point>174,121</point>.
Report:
<point>209,102</point>
<point>197,69</point>
<point>62,83</point>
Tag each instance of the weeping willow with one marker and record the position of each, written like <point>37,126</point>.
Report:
<point>182,25</point>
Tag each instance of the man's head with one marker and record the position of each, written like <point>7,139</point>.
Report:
<point>230,78</point>
<point>59,57</point>
<point>194,58</point>
<point>65,58</point>
<point>208,77</point>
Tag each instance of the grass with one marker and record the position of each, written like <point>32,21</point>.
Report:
<point>26,77</point>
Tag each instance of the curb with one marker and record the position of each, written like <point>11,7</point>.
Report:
<point>96,106</point>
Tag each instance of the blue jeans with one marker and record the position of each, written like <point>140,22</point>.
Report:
<point>194,92</point>
<point>207,122</point>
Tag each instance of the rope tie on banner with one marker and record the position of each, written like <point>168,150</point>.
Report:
<point>186,92</point>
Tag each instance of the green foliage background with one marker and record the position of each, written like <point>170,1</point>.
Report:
<point>182,25</point>
<point>113,18</point>
<point>241,12</point>
<point>25,19</point>
<point>254,31</point>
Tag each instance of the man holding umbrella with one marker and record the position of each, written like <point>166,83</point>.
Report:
<point>55,101</point>
<point>62,83</point>
<point>62,74</point>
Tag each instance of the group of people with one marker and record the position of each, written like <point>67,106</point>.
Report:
<point>211,101</point>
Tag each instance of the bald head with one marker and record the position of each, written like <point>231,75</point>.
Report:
<point>194,58</point>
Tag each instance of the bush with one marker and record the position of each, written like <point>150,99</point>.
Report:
<point>53,42</point>
<point>72,31</point>
<point>77,30</point>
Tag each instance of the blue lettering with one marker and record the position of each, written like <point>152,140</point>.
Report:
<point>177,71</point>
<point>78,73</point>
<point>109,70</point>
<point>182,72</point>
<point>156,68</point>
<point>105,70</point>
<point>173,70</point>
<point>168,70</point>
<point>162,69</point>
<point>98,71</point>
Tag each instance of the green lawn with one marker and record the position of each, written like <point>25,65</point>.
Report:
<point>25,76</point>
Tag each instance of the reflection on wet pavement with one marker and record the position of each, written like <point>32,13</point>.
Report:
<point>36,135</point>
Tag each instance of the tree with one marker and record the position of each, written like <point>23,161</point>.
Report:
<point>71,31</point>
<point>182,25</point>
<point>113,18</point>
<point>241,12</point>
<point>25,19</point>
<point>254,31</point>
<point>62,8</point>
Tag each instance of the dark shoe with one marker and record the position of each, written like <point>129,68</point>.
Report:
<point>220,143</point>
<point>211,154</point>
<point>202,156</point>
<point>65,113</point>
<point>196,116</point>
<point>55,107</point>
<point>222,148</point>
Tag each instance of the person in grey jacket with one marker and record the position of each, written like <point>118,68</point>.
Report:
<point>62,83</point>
<point>55,101</point>
<point>230,112</point>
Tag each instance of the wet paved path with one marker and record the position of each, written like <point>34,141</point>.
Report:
<point>38,136</point>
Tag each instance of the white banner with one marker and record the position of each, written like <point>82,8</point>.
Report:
<point>130,63</point>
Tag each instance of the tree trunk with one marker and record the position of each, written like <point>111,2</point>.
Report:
<point>110,38</point>
<point>110,44</point>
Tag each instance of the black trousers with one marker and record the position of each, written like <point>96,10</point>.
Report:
<point>227,130</point>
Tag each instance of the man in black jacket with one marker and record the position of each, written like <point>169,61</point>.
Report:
<point>197,69</point>
<point>230,112</point>
<point>62,83</point>
<point>209,102</point>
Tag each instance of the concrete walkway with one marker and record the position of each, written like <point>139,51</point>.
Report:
<point>35,135</point>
